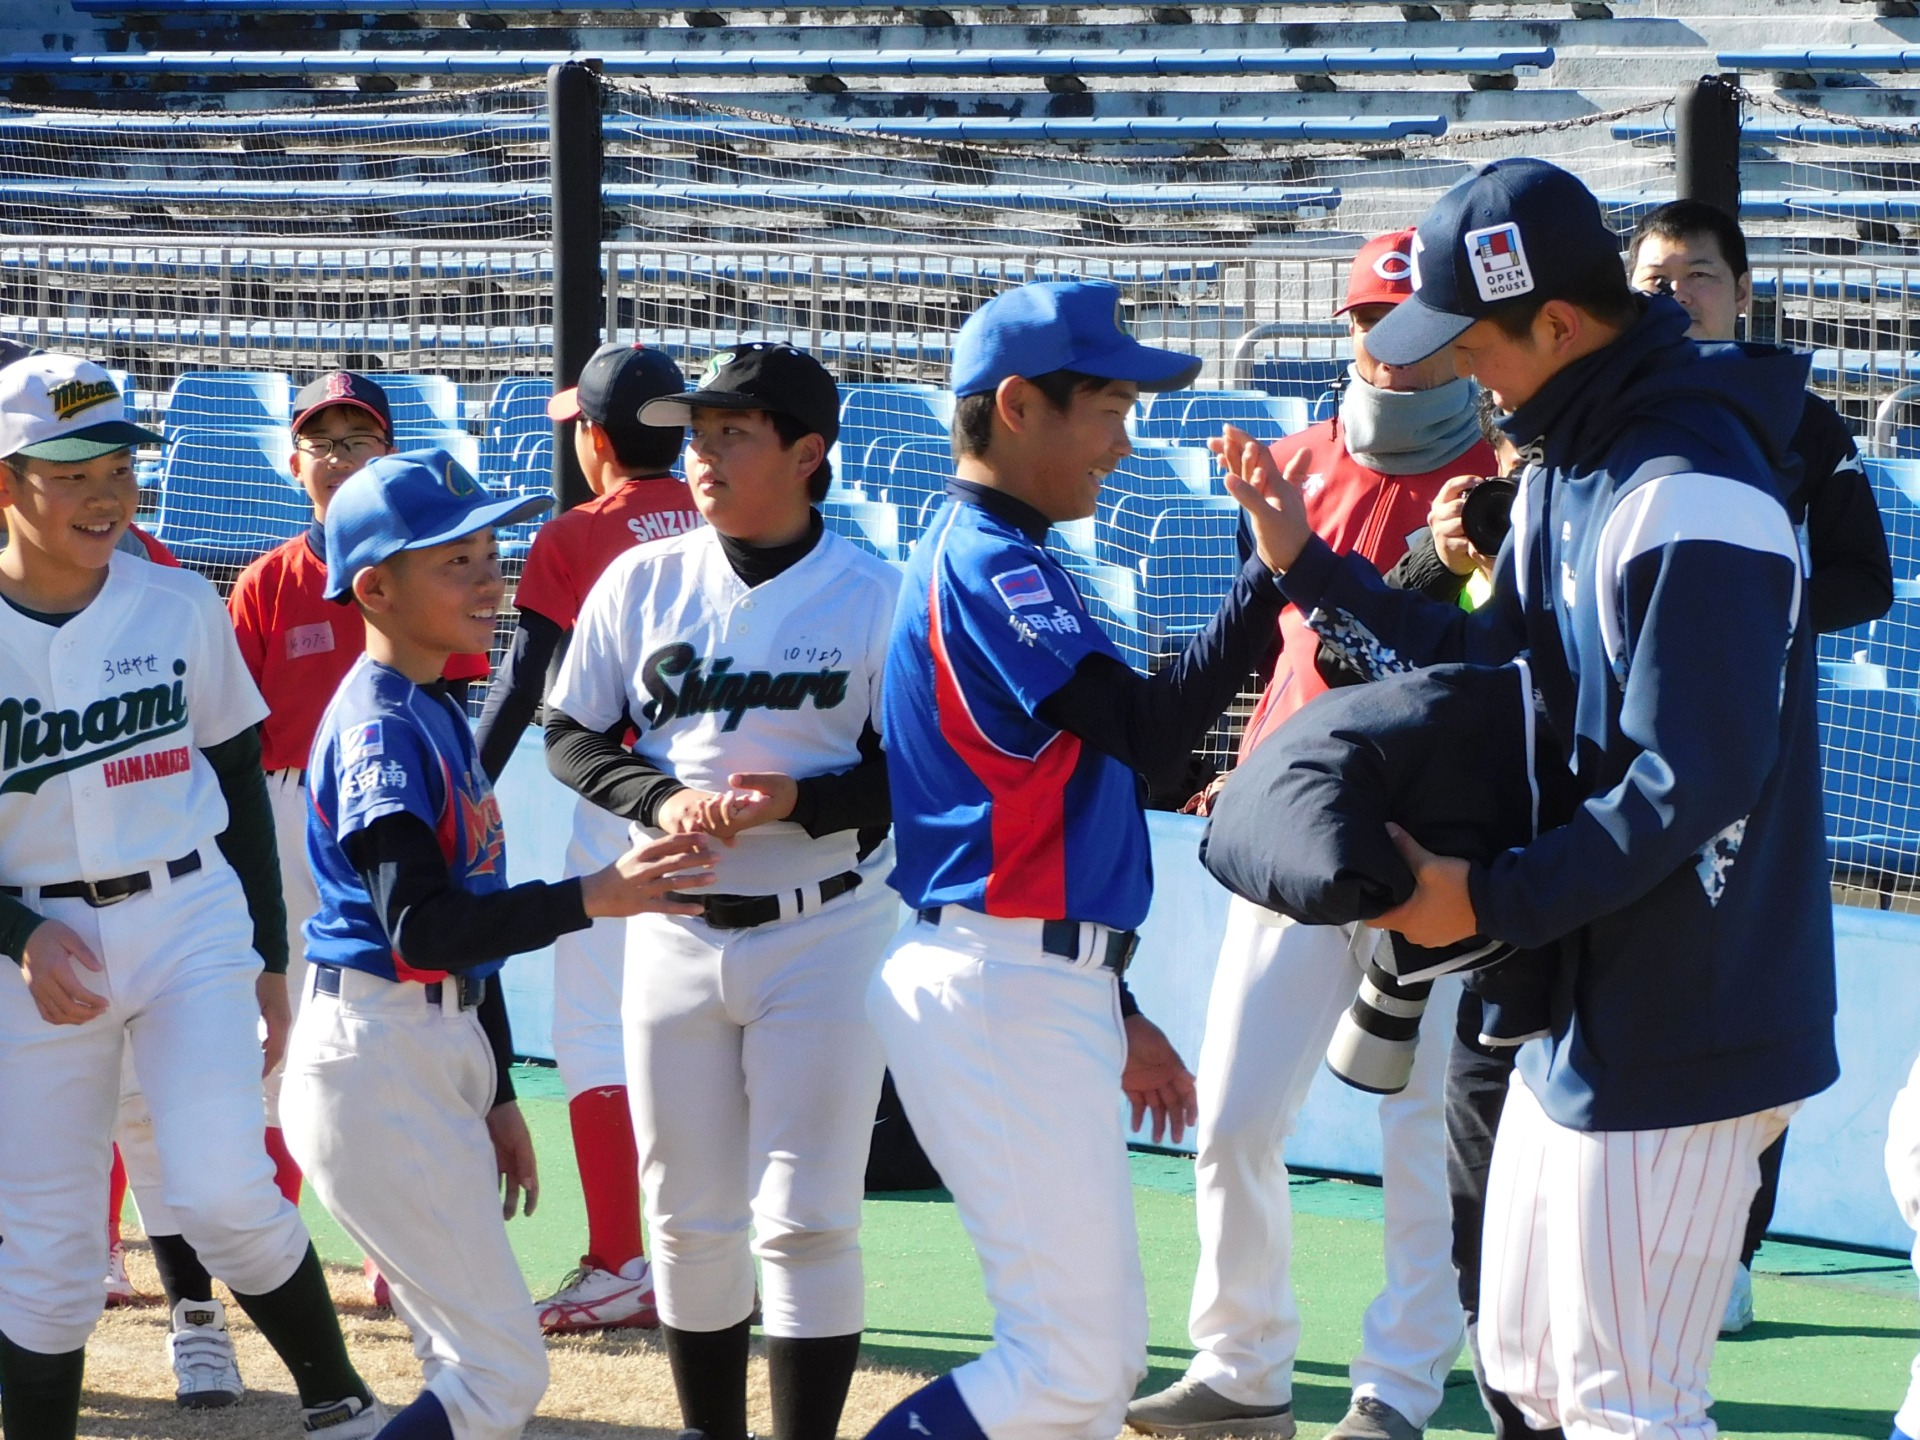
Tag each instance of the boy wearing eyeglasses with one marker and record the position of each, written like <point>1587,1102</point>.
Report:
<point>299,646</point>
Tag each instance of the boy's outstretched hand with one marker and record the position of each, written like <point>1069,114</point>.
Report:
<point>649,877</point>
<point>1275,508</point>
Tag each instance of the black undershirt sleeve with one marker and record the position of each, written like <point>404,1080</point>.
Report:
<point>856,799</point>
<point>492,1016</point>
<point>1152,723</point>
<point>17,924</point>
<point>518,687</point>
<point>248,842</point>
<point>432,923</point>
<point>598,765</point>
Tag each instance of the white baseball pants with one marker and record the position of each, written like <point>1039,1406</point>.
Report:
<point>133,1130</point>
<point>753,1076</point>
<point>385,1108</point>
<point>179,977</point>
<point>1008,1060</point>
<point>1608,1259</point>
<point>588,1043</point>
<point>1903,1174</point>
<point>1278,992</point>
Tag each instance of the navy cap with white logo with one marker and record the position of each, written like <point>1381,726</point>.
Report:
<point>343,387</point>
<point>615,383</point>
<point>410,501</point>
<point>1512,229</point>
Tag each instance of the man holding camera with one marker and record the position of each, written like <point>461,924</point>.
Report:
<point>1369,476</point>
<point>1656,581</point>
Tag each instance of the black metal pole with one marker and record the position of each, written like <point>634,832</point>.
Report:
<point>1706,142</point>
<point>573,135</point>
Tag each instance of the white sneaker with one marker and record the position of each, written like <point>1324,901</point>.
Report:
<point>349,1419</point>
<point>206,1375</point>
<point>594,1299</point>
<point>119,1288</point>
<point>1739,1313</point>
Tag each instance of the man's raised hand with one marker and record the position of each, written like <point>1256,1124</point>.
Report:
<point>1276,510</point>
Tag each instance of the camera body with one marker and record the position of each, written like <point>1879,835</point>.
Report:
<point>1486,515</point>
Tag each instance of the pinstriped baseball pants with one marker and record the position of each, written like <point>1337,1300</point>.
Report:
<point>1608,1259</point>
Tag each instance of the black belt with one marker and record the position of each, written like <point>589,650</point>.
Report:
<point>468,991</point>
<point>743,912</point>
<point>1062,938</point>
<point>102,893</point>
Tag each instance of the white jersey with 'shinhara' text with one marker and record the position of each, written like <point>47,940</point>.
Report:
<point>719,678</point>
<point>102,721</point>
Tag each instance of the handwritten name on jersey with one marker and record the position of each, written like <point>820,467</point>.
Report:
<point>37,744</point>
<point>724,690</point>
<point>131,769</point>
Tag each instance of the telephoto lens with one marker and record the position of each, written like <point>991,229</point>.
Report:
<point>1487,514</point>
<point>1372,1046</point>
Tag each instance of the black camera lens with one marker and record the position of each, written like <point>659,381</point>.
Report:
<point>1487,514</point>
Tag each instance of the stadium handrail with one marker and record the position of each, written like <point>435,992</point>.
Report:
<point>1822,57</point>
<point>695,196</point>
<point>1803,132</point>
<point>668,64</point>
<point>512,130</point>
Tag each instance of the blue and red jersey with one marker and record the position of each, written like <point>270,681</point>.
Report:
<point>387,747</point>
<point>994,809</point>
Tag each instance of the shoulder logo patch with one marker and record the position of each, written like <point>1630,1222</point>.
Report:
<point>362,742</point>
<point>1023,587</point>
<point>1498,260</point>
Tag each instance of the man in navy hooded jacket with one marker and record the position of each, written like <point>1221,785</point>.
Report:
<point>1654,579</point>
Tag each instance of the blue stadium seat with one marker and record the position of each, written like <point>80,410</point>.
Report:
<point>518,407</point>
<point>919,474</point>
<point>1161,414</point>
<point>1188,566</point>
<point>873,525</point>
<point>422,402</point>
<point>226,496</point>
<point>1111,594</point>
<point>1870,755</point>
<point>1893,641</point>
<point>458,443</point>
<point>228,400</point>
<point>1309,377</point>
<point>1267,418</point>
<point>1896,482</point>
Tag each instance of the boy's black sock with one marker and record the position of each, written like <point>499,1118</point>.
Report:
<point>39,1394</point>
<point>710,1377</point>
<point>298,1320</point>
<point>809,1379</point>
<point>182,1275</point>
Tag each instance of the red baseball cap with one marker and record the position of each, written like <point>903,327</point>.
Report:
<point>1382,272</point>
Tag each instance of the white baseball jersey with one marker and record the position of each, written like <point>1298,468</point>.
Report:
<point>718,678</point>
<point>102,722</point>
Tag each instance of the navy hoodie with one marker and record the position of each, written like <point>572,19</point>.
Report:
<point>1654,579</point>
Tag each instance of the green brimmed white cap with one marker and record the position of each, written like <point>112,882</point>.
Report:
<point>63,408</point>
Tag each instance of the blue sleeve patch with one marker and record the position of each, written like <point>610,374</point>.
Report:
<point>361,742</point>
<point>1023,587</point>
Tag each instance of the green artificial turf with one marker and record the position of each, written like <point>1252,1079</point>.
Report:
<point>1827,1355</point>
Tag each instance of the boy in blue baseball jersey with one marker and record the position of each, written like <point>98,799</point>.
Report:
<point>1018,740</point>
<point>398,1102</point>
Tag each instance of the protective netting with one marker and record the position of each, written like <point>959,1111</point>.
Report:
<point>218,258</point>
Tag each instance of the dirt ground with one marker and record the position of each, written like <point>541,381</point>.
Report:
<point>606,1385</point>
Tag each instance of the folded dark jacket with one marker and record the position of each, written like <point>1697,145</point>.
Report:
<point>1450,753</point>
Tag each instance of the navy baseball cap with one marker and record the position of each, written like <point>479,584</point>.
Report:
<point>410,501</point>
<point>342,387</point>
<point>1513,228</point>
<point>759,375</point>
<point>1060,325</point>
<point>614,383</point>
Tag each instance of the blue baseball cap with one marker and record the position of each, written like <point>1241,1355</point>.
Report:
<point>410,501</point>
<point>1513,228</point>
<point>1060,325</point>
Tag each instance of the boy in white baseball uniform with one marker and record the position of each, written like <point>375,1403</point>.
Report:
<point>746,656</point>
<point>139,894</point>
<point>1903,1175</point>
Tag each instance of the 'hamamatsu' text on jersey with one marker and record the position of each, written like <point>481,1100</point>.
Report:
<point>719,677</point>
<point>102,721</point>
<point>299,645</point>
<point>387,747</point>
<point>994,809</point>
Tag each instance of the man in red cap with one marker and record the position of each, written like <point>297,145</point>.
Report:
<point>1370,475</point>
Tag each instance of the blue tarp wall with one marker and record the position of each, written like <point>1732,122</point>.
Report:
<point>1832,1188</point>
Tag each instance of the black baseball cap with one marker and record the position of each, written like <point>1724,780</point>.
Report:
<point>1512,228</point>
<point>758,376</point>
<point>614,383</point>
<point>342,387</point>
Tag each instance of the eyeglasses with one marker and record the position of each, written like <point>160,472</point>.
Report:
<point>354,447</point>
